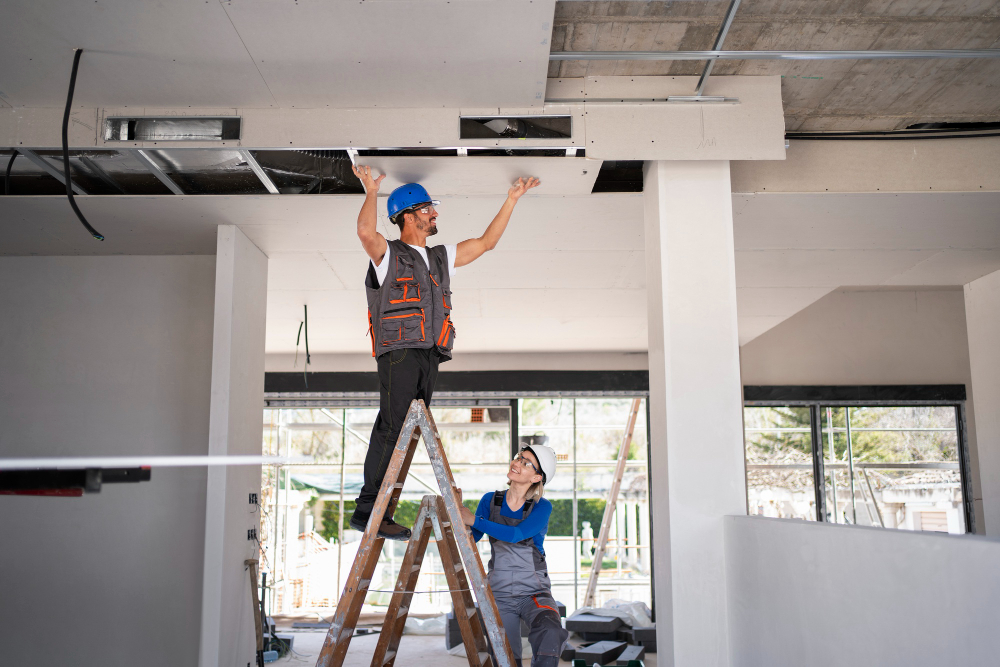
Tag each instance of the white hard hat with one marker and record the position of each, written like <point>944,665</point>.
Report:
<point>546,458</point>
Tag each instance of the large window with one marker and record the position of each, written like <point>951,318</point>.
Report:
<point>886,465</point>
<point>308,548</point>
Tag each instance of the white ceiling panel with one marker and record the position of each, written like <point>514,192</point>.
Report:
<point>400,53</point>
<point>563,304</point>
<point>950,267</point>
<point>486,175</point>
<point>296,271</point>
<point>869,221</point>
<point>136,53</point>
<point>822,268</point>
<point>548,269</point>
<point>751,327</point>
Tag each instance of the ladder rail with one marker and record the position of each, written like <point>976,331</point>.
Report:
<point>611,506</point>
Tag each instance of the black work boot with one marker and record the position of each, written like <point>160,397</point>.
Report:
<point>388,530</point>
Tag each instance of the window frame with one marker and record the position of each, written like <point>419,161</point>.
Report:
<point>817,398</point>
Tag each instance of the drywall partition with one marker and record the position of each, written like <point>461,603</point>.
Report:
<point>824,595</point>
<point>982,309</point>
<point>227,626</point>
<point>105,356</point>
<point>876,337</point>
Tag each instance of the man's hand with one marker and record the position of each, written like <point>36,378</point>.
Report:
<point>365,175</point>
<point>522,186</point>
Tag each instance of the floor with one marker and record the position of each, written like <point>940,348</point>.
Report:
<point>414,651</point>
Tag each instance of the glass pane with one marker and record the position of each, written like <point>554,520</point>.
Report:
<point>905,467</point>
<point>779,462</point>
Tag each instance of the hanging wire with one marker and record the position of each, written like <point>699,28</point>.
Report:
<point>6,178</point>
<point>305,368</point>
<point>65,148</point>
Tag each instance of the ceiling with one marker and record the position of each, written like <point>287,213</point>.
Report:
<point>266,54</point>
<point>818,95</point>
<point>527,295</point>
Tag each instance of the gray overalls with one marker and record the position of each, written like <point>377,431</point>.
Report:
<point>519,579</point>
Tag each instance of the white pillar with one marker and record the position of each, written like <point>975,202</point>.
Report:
<point>227,630</point>
<point>695,400</point>
<point>982,319</point>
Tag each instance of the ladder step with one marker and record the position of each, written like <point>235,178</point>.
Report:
<point>459,567</point>
<point>363,584</point>
<point>397,485</point>
<point>471,611</point>
<point>402,611</point>
<point>389,657</point>
<point>484,659</point>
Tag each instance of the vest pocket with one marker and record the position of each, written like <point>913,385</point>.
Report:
<point>404,268</point>
<point>406,328</point>
<point>404,292</point>
<point>446,298</point>
<point>446,338</point>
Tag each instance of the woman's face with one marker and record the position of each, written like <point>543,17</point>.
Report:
<point>525,469</point>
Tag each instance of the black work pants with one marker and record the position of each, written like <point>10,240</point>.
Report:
<point>403,375</point>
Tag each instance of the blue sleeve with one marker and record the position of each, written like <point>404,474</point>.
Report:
<point>536,523</point>
<point>483,510</point>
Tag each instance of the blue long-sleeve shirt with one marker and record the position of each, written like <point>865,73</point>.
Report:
<point>535,526</point>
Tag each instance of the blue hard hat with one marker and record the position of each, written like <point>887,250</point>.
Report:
<point>406,197</point>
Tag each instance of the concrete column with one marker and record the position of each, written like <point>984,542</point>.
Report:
<point>695,400</point>
<point>644,559</point>
<point>227,630</point>
<point>982,318</point>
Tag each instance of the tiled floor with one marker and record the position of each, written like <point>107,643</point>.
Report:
<point>414,651</point>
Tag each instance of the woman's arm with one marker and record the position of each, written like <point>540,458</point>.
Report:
<point>536,523</point>
<point>482,512</point>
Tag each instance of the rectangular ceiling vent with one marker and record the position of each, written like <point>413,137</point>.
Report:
<point>180,128</point>
<point>516,127</point>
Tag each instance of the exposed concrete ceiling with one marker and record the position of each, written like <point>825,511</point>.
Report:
<point>568,274</point>
<point>818,95</point>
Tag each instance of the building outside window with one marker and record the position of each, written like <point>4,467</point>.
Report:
<point>885,465</point>
<point>307,553</point>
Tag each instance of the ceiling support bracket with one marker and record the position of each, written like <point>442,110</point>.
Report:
<point>47,167</point>
<point>723,31</point>
<point>154,169</point>
<point>257,169</point>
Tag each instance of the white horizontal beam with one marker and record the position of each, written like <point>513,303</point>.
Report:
<point>76,462</point>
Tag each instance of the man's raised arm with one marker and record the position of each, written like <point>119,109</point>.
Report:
<point>373,242</point>
<point>472,249</point>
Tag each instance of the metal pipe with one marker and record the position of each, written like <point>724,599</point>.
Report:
<point>340,530</point>
<point>871,493</point>
<point>727,22</point>
<point>833,459</point>
<point>576,516</point>
<point>819,474</point>
<point>850,464</point>
<point>774,55</point>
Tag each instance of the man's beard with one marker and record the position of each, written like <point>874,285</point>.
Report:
<point>430,228</point>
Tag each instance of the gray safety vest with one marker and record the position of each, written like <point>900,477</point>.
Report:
<point>516,568</point>
<point>412,306</point>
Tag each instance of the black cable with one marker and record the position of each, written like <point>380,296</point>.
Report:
<point>305,367</point>
<point>65,148</point>
<point>6,178</point>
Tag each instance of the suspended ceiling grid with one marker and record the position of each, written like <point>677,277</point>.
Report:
<point>827,95</point>
<point>263,54</point>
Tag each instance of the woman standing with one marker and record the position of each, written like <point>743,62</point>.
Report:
<point>516,521</point>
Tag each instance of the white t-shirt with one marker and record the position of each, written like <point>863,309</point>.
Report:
<point>381,270</point>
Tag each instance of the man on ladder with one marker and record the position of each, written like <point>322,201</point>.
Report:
<point>409,311</point>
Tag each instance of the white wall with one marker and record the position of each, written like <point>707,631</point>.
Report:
<point>873,336</point>
<point>982,303</point>
<point>105,356</point>
<point>816,594</point>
